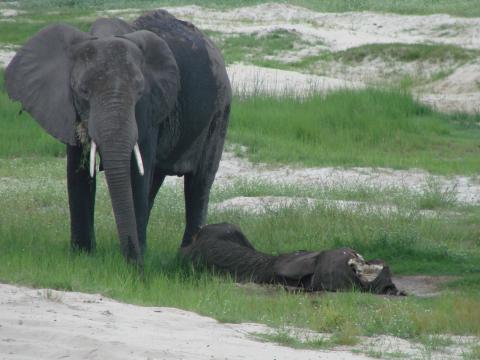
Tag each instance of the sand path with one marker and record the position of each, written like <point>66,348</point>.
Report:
<point>48,324</point>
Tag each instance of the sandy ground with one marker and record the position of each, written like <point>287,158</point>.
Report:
<point>233,169</point>
<point>260,205</point>
<point>251,79</point>
<point>48,324</point>
<point>338,31</point>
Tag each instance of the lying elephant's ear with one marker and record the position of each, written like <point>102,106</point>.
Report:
<point>161,70</point>
<point>296,266</point>
<point>110,27</point>
<point>39,77</point>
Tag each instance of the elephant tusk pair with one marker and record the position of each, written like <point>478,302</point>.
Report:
<point>93,154</point>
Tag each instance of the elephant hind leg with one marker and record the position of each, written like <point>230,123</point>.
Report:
<point>197,185</point>
<point>156,183</point>
<point>197,191</point>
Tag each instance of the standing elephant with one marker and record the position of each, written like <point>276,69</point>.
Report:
<point>152,98</point>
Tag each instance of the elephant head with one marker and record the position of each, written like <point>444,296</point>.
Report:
<point>64,77</point>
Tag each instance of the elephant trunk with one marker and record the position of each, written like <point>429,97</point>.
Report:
<point>117,173</point>
<point>114,131</point>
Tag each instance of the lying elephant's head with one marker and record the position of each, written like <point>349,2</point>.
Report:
<point>64,78</point>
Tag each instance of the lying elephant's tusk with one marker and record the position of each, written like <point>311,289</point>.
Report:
<point>93,153</point>
<point>138,157</point>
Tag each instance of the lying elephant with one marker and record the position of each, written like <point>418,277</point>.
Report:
<point>225,247</point>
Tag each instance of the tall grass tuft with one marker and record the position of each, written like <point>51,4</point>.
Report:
<point>370,127</point>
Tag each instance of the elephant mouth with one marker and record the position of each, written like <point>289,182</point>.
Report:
<point>93,156</point>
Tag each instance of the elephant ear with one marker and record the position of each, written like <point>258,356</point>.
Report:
<point>296,266</point>
<point>161,71</point>
<point>39,77</point>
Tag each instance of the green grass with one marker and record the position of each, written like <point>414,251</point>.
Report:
<point>285,338</point>
<point>346,128</point>
<point>255,46</point>
<point>26,25</point>
<point>368,127</point>
<point>35,251</point>
<point>257,50</point>
<point>467,8</point>
<point>473,354</point>
<point>407,53</point>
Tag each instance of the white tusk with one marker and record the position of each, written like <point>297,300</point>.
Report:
<point>93,152</point>
<point>138,157</point>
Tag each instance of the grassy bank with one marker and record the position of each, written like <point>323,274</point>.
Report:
<point>356,128</point>
<point>421,7</point>
<point>345,128</point>
<point>35,251</point>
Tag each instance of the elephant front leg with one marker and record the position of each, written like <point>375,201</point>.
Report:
<point>141,188</point>
<point>81,199</point>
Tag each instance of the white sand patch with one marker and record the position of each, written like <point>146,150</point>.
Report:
<point>463,102</point>
<point>7,13</point>
<point>6,56</point>
<point>339,31</point>
<point>293,56</point>
<point>232,169</point>
<point>251,80</point>
<point>379,71</point>
<point>122,13</point>
<point>465,79</point>
<point>260,205</point>
<point>49,324</point>
<point>460,91</point>
<point>385,345</point>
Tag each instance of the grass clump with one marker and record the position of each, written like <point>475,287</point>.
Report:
<point>434,196</point>
<point>368,127</point>
<point>251,47</point>
<point>473,353</point>
<point>407,53</point>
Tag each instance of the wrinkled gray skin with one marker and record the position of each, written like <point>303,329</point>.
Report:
<point>159,82</point>
<point>224,247</point>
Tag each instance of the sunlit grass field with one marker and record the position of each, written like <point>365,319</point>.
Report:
<point>34,226</point>
<point>369,127</point>
<point>34,238</point>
